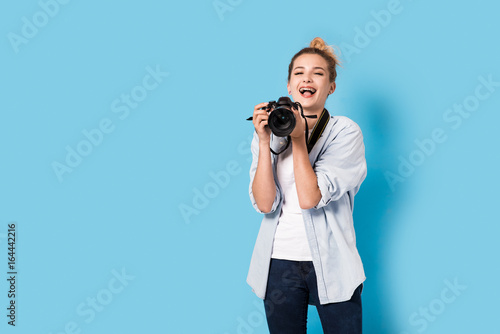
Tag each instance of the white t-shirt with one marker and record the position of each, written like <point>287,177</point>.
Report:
<point>290,239</point>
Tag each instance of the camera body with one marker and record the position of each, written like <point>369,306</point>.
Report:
<point>281,119</point>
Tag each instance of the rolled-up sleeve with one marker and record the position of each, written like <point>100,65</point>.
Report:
<point>342,166</point>
<point>253,169</point>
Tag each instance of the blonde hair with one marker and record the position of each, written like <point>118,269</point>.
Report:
<point>319,47</point>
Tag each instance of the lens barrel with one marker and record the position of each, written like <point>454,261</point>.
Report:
<point>281,121</point>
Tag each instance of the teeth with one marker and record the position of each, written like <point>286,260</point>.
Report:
<point>312,90</point>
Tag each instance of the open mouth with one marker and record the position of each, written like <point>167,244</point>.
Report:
<point>307,91</point>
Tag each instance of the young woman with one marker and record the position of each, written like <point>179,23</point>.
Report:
<point>305,253</point>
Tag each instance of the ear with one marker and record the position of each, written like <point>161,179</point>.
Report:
<point>333,85</point>
<point>288,88</point>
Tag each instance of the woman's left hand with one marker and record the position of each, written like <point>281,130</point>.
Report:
<point>300,125</point>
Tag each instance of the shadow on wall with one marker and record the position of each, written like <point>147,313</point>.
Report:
<point>374,207</point>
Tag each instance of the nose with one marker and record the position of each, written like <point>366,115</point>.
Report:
<point>306,78</point>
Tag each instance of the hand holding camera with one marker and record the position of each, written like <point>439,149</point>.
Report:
<point>280,118</point>
<point>300,124</point>
<point>260,120</point>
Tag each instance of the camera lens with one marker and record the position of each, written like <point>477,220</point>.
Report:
<point>281,122</point>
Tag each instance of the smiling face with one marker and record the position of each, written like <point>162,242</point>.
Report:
<point>310,83</point>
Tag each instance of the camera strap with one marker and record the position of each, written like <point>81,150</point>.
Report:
<point>288,140</point>
<point>318,129</point>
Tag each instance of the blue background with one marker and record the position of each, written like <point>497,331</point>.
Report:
<point>120,208</point>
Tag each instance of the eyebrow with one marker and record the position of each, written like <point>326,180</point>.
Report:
<point>315,68</point>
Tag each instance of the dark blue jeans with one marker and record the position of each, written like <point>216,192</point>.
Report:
<point>291,287</point>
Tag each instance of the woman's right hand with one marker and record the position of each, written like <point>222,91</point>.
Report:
<point>260,117</point>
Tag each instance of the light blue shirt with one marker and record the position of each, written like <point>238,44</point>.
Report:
<point>338,159</point>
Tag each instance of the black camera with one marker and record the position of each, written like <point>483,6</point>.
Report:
<point>281,119</point>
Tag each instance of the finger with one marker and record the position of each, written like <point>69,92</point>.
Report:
<point>261,105</point>
<point>258,119</point>
<point>296,112</point>
<point>260,112</point>
<point>262,128</point>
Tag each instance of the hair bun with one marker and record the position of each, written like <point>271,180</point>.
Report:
<point>318,43</point>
